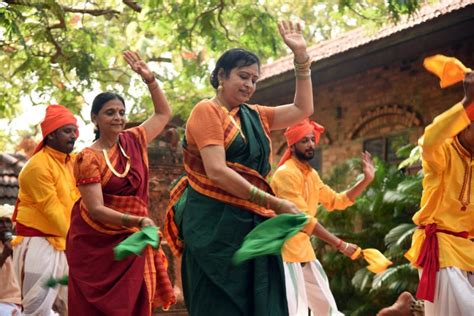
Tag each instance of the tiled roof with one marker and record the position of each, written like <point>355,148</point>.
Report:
<point>9,170</point>
<point>359,37</point>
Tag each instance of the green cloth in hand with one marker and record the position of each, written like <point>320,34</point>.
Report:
<point>136,242</point>
<point>268,237</point>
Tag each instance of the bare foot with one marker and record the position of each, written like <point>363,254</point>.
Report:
<point>400,308</point>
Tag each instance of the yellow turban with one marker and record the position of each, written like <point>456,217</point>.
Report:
<point>448,69</point>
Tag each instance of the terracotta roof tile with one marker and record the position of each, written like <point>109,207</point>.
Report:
<point>9,178</point>
<point>360,36</point>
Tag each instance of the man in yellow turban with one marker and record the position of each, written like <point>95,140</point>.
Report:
<point>295,180</point>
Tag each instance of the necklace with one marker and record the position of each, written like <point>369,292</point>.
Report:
<point>109,165</point>
<point>232,119</point>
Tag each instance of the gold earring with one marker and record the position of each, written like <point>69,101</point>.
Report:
<point>220,88</point>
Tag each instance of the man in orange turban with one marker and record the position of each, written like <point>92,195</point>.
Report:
<point>45,199</point>
<point>295,180</point>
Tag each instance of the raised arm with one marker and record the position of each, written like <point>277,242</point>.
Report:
<point>302,107</point>
<point>369,173</point>
<point>447,125</point>
<point>162,110</point>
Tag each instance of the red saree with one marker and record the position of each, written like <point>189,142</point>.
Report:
<point>99,285</point>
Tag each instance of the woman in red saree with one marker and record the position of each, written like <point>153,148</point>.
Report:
<point>112,176</point>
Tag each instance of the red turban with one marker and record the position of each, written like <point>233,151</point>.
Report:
<point>296,132</point>
<point>56,116</point>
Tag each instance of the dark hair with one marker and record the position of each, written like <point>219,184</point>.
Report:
<point>98,104</point>
<point>233,58</point>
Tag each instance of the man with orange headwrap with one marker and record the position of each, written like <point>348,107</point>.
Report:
<point>296,181</point>
<point>45,199</point>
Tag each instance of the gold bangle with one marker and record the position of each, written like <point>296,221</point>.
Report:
<point>148,82</point>
<point>261,197</point>
<point>253,194</point>
<point>303,65</point>
<point>140,221</point>
<point>125,220</point>
<point>303,76</point>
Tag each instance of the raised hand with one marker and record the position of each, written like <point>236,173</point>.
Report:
<point>293,38</point>
<point>368,166</point>
<point>468,89</point>
<point>138,65</point>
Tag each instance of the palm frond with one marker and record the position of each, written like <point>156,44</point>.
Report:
<point>398,235</point>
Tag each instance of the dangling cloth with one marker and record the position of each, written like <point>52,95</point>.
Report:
<point>135,243</point>
<point>448,69</point>
<point>296,132</point>
<point>376,260</point>
<point>268,237</point>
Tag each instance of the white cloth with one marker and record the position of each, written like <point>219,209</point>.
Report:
<point>308,286</point>
<point>8,309</point>
<point>36,261</point>
<point>454,293</point>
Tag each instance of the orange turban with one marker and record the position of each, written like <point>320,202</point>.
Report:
<point>56,116</point>
<point>448,69</point>
<point>296,132</point>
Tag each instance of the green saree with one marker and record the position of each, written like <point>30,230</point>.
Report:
<point>212,230</point>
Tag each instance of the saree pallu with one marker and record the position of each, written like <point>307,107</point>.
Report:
<point>207,225</point>
<point>99,285</point>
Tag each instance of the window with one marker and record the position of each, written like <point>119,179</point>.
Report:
<point>316,162</point>
<point>386,147</point>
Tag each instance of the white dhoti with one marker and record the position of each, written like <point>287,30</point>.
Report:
<point>454,293</point>
<point>36,261</point>
<point>308,287</point>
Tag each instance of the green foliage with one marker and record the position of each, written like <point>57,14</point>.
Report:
<point>57,50</point>
<point>381,218</point>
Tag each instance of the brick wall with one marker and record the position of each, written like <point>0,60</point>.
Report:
<point>166,165</point>
<point>338,105</point>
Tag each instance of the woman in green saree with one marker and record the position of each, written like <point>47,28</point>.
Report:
<point>224,195</point>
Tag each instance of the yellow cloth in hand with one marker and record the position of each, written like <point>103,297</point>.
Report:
<point>376,260</point>
<point>448,69</point>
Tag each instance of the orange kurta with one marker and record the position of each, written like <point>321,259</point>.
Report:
<point>299,183</point>
<point>447,186</point>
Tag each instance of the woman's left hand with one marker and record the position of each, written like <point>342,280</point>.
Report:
<point>146,221</point>
<point>138,65</point>
<point>293,37</point>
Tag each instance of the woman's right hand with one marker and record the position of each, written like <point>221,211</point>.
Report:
<point>347,249</point>
<point>285,206</point>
